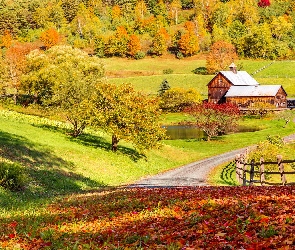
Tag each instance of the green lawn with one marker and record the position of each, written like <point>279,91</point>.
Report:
<point>60,164</point>
<point>150,73</point>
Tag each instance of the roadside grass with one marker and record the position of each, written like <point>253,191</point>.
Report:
<point>225,174</point>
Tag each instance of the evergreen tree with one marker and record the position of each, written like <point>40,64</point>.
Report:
<point>163,87</point>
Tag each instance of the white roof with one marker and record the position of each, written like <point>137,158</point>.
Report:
<point>258,90</point>
<point>241,78</point>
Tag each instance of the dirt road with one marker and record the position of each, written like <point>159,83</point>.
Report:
<point>194,174</point>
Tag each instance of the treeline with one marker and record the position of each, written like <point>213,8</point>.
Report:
<point>135,28</point>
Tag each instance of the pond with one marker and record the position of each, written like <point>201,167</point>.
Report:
<point>175,132</point>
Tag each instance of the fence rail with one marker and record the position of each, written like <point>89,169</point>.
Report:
<point>241,171</point>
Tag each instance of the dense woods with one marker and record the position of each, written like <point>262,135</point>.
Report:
<point>135,28</point>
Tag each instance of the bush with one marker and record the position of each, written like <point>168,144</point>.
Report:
<point>12,176</point>
<point>176,99</point>
<point>200,71</point>
<point>179,55</point>
<point>167,71</point>
<point>139,55</point>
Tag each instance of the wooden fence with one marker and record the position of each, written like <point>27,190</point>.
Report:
<point>242,170</point>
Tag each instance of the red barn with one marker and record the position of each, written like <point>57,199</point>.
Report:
<point>240,88</point>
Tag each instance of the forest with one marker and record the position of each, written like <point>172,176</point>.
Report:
<point>136,28</point>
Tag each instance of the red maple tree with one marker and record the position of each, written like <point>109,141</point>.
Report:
<point>264,3</point>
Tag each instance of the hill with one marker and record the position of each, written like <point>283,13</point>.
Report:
<point>147,74</point>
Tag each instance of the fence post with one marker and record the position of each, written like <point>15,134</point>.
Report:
<point>252,172</point>
<point>262,174</point>
<point>244,172</point>
<point>282,171</point>
<point>239,169</point>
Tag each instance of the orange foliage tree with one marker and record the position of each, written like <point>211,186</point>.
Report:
<point>221,55</point>
<point>16,61</point>
<point>6,39</point>
<point>50,38</point>
<point>134,45</point>
<point>118,43</point>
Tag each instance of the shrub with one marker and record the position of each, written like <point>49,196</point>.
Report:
<point>12,176</point>
<point>179,55</point>
<point>200,71</point>
<point>176,99</point>
<point>167,71</point>
<point>139,55</point>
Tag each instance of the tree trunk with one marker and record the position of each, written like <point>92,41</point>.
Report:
<point>115,142</point>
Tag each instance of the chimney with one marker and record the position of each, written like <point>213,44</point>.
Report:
<point>233,68</point>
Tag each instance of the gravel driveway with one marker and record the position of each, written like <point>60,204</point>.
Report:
<point>193,174</point>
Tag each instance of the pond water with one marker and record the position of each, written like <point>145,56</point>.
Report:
<point>175,132</point>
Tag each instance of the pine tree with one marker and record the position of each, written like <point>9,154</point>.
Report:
<point>163,87</point>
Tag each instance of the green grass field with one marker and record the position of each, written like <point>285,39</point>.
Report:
<point>59,164</point>
<point>147,74</point>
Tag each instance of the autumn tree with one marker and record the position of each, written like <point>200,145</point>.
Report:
<point>6,39</point>
<point>188,43</point>
<point>160,42</point>
<point>15,59</point>
<point>118,43</point>
<point>128,115</point>
<point>134,45</point>
<point>50,38</point>
<point>65,80</point>
<point>259,43</point>
<point>264,3</point>
<point>140,9</point>
<point>221,55</point>
<point>214,119</point>
<point>175,7</point>
<point>177,99</point>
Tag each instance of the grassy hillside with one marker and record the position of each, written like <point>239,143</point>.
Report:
<point>59,164</point>
<point>70,201</point>
<point>147,74</point>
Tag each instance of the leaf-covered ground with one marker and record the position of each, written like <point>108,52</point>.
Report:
<point>175,218</point>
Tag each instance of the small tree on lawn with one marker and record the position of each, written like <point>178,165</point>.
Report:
<point>163,87</point>
<point>127,114</point>
<point>214,119</point>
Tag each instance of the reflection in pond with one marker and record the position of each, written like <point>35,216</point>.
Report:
<point>175,132</point>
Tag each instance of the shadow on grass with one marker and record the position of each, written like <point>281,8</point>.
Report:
<point>49,174</point>
<point>227,175</point>
<point>96,142</point>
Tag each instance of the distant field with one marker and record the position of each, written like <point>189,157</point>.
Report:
<point>147,74</point>
<point>150,84</point>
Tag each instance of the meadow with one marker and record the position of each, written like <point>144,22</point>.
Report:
<point>147,74</point>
